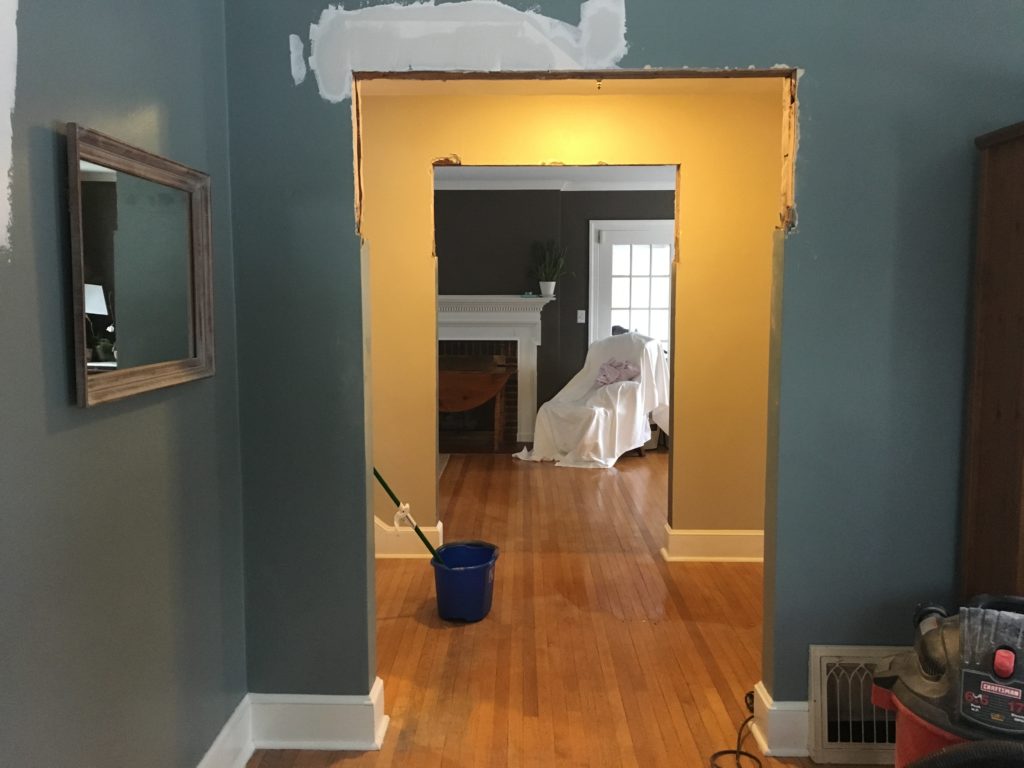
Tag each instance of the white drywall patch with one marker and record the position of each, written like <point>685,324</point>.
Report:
<point>475,35</point>
<point>298,54</point>
<point>8,76</point>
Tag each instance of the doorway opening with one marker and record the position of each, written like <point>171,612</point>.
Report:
<point>731,139</point>
<point>504,348</point>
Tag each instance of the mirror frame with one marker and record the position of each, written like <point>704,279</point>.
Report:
<point>86,144</point>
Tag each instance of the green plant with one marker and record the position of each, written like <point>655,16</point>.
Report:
<point>549,261</point>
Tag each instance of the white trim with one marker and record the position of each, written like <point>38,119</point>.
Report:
<point>713,546</point>
<point>500,318</point>
<point>780,727</point>
<point>479,306</point>
<point>442,185</point>
<point>234,745</point>
<point>600,291</point>
<point>564,178</point>
<point>294,721</point>
<point>391,541</point>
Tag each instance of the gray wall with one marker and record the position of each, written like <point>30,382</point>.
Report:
<point>483,243</point>
<point>483,238</point>
<point>309,574</point>
<point>121,585</point>
<point>875,311</point>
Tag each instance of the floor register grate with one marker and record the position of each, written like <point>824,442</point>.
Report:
<point>845,726</point>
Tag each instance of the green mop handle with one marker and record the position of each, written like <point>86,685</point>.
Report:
<point>415,527</point>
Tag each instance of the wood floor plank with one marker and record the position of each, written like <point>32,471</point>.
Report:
<point>596,652</point>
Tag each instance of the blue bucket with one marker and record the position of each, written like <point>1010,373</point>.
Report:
<point>465,581</point>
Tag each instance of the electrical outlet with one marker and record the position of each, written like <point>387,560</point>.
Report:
<point>581,315</point>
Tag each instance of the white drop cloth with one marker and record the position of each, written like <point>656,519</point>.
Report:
<point>590,425</point>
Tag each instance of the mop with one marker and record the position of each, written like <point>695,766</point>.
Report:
<point>403,514</point>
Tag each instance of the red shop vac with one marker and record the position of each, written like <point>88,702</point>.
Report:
<point>959,694</point>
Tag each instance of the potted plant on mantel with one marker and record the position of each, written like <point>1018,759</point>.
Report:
<point>549,258</point>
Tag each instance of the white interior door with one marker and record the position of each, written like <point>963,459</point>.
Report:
<point>631,278</point>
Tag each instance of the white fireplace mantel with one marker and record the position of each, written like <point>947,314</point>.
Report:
<point>500,318</point>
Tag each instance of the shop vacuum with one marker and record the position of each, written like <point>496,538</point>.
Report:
<point>959,694</point>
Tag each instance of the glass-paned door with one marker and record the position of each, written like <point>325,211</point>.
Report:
<point>631,278</point>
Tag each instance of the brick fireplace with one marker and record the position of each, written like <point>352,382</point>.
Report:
<point>502,326</point>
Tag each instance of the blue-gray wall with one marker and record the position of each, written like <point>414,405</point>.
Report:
<point>309,574</point>
<point>875,312</point>
<point>121,583</point>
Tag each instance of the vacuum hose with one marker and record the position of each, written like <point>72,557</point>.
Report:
<point>975,754</point>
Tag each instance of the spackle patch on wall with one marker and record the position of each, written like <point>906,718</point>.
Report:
<point>298,56</point>
<point>475,35</point>
<point>8,76</point>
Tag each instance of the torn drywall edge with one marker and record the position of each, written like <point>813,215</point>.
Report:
<point>357,159</point>
<point>788,98</point>
<point>8,78</point>
<point>790,148</point>
<point>474,35</point>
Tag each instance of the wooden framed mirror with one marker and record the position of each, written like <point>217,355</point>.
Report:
<point>141,267</point>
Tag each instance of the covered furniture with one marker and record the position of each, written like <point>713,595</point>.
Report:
<point>591,423</point>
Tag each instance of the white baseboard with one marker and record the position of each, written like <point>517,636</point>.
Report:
<point>780,727</point>
<point>713,546</point>
<point>234,744</point>
<point>389,541</point>
<point>296,721</point>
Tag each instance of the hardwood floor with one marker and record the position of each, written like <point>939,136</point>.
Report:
<point>596,652</point>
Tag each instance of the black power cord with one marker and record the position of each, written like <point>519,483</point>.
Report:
<point>738,753</point>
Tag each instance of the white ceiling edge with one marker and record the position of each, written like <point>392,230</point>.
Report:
<point>568,186</point>
<point>590,178</point>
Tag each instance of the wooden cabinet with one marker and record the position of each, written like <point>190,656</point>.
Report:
<point>992,555</point>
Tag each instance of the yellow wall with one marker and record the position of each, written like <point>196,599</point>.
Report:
<point>726,135</point>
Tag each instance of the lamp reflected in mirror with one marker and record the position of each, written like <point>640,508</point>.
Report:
<point>100,350</point>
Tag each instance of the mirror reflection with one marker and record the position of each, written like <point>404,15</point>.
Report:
<point>135,249</point>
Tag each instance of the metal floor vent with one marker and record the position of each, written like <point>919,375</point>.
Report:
<point>844,725</point>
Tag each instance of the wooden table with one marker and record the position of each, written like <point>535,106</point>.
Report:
<point>465,385</point>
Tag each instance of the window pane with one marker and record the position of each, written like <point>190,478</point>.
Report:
<point>620,317</point>
<point>660,292</point>
<point>640,293</point>
<point>659,324</point>
<point>660,260</point>
<point>639,321</point>
<point>620,259</point>
<point>641,259</point>
<point>620,291</point>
